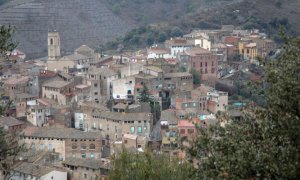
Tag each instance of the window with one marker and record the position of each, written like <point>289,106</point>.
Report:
<point>74,146</point>
<point>83,155</point>
<point>95,93</point>
<point>85,176</point>
<point>182,131</point>
<point>139,129</point>
<point>51,41</point>
<point>205,64</point>
<point>42,147</point>
<point>92,155</point>
<point>129,92</point>
<point>212,70</point>
<point>50,147</point>
<point>194,104</point>
<point>132,129</point>
<point>92,146</point>
<point>95,85</point>
<point>130,82</point>
<point>33,147</point>
<point>201,64</point>
<point>83,146</point>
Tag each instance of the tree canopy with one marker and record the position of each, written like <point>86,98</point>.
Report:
<point>265,144</point>
<point>131,166</point>
<point>6,40</point>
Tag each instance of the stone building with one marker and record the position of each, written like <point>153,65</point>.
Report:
<point>204,62</point>
<point>177,82</point>
<point>16,85</point>
<point>59,91</point>
<point>38,115</point>
<point>114,125</point>
<point>25,170</point>
<point>69,143</point>
<point>90,169</point>
<point>99,80</point>
<point>11,124</point>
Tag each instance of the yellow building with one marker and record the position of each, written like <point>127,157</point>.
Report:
<point>248,51</point>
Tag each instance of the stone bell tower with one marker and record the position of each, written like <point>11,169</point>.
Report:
<point>53,45</point>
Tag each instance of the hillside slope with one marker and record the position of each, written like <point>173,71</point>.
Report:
<point>78,21</point>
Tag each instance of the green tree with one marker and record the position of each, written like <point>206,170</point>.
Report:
<point>9,147</point>
<point>182,69</point>
<point>196,76</point>
<point>266,143</point>
<point>131,166</point>
<point>144,95</point>
<point>6,40</point>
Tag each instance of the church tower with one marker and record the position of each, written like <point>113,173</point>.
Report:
<point>53,45</point>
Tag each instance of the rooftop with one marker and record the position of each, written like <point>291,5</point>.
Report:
<point>197,51</point>
<point>84,48</point>
<point>153,68</point>
<point>32,169</point>
<point>125,116</point>
<point>178,74</point>
<point>73,57</point>
<point>56,84</point>
<point>120,106</point>
<point>185,123</point>
<point>17,80</point>
<point>63,133</point>
<point>10,121</point>
<point>87,163</point>
<point>169,115</point>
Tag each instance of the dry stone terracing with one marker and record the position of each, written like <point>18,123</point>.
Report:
<point>78,21</point>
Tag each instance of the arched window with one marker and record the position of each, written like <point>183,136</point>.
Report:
<point>51,41</point>
<point>83,146</point>
<point>92,146</point>
<point>74,146</point>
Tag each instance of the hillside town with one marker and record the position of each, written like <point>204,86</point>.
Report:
<point>77,110</point>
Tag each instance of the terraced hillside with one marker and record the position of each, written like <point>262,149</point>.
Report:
<point>78,21</point>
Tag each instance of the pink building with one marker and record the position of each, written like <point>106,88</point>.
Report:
<point>187,128</point>
<point>204,62</point>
